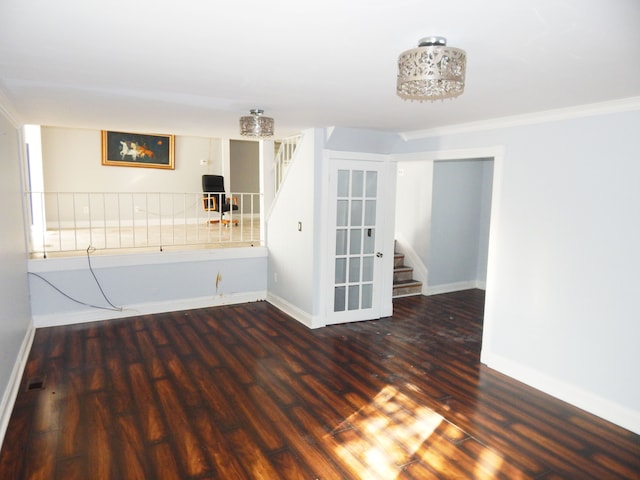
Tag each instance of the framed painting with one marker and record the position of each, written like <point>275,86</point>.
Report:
<point>145,150</point>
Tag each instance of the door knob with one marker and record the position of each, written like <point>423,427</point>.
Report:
<point>379,254</point>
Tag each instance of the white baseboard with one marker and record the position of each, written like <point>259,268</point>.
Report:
<point>13,385</point>
<point>622,416</point>
<point>291,310</point>
<point>94,315</point>
<point>454,287</point>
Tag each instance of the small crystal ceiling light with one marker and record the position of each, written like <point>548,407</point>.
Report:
<point>255,125</point>
<point>432,71</point>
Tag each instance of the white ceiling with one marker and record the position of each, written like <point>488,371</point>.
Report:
<point>192,67</point>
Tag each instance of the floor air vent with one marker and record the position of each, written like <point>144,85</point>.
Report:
<point>36,383</point>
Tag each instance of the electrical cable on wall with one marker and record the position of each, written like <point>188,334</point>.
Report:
<point>111,307</point>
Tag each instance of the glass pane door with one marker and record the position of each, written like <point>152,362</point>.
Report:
<point>355,244</point>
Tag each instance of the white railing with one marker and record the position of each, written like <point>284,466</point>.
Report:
<point>283,158</point>
<point>74,221</point>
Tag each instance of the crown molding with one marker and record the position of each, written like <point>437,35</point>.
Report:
<point>7,109</point>
<point>587,110</point>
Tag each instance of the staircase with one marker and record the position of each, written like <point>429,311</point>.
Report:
<point>403,283</point>
<point>285,149</point>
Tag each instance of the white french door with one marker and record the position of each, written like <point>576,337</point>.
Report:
<point>355,215</point>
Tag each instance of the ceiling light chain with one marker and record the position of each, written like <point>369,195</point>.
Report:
<point>432,71</point>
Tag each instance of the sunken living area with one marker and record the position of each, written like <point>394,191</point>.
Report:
<point>244,391</point>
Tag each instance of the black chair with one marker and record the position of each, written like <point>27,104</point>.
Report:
<point>215,199</point>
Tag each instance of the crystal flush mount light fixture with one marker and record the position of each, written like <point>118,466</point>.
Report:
<point>255,125</point>
<point>432,71</point>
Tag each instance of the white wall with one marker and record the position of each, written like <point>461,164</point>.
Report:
<point>15,317</point>
<point>562,279</point>
<point>360,140</point>
<point>291,252</point>
<point>486,201</point>
<point>459,223</point>
<point>413,205</point>
<point>144,283</point>
<point>72,162</point>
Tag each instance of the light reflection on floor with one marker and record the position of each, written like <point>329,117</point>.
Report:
<point>392,432</point>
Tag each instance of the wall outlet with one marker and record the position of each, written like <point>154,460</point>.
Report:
<point>86,210</point>
<point>275,277</point>
<point>136,209</point>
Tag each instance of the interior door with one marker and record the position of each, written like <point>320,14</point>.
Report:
<point>355,241</point>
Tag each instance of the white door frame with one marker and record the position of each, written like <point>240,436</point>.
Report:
<point>386,204</point>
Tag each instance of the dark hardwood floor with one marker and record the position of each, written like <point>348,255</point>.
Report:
<point>246,392</point>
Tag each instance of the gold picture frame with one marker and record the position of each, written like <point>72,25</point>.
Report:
<point>124,149</point>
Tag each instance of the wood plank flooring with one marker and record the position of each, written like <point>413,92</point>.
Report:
<point>245,392</point>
